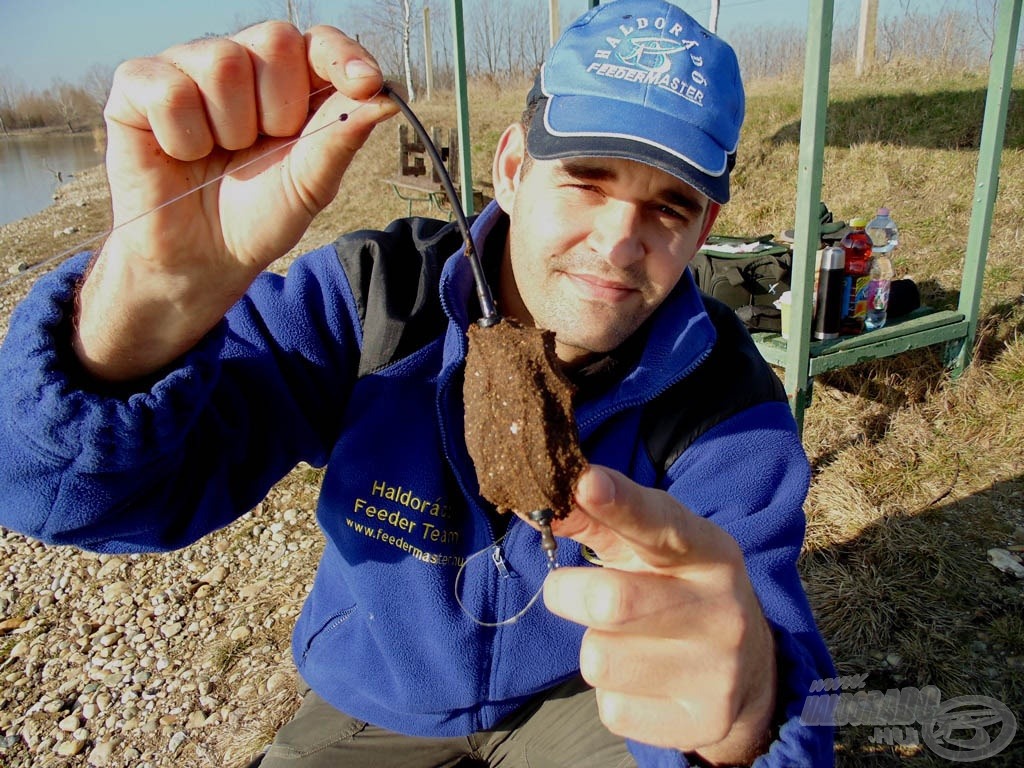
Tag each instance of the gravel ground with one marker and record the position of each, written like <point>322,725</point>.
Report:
<point>179,659</point>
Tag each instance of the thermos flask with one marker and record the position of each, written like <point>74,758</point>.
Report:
<point>829,305</point>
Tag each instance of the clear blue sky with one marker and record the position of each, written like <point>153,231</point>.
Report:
<point>45,40</point>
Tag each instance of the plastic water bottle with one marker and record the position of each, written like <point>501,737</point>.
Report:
<point>883,232</point>
<point>884,238</point>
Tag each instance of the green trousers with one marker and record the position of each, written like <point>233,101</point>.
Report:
<point>558,729</point>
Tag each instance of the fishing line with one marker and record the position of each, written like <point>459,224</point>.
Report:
<point>78,247</point>
<point>504,622</point>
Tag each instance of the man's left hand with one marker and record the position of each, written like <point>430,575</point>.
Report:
<point>677,646</point>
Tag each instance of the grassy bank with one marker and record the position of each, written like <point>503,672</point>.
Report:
<point>916,476</point>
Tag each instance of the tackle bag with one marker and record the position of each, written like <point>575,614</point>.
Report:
<point>747,274</point>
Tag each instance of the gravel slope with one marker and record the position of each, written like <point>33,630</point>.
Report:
<point>180,659</point>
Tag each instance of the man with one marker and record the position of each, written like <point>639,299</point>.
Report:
<point>161,395</point>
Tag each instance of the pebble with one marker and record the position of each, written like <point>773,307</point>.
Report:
<point>69,748</point>
<point>1006,562</point>
<point>176,742</point>
<point>21,648</point>
<point>101,754</point>
<point>109,568</point>
<point>277,681</point>
<point>113,591</point>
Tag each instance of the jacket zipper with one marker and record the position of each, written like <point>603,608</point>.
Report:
<point>600,416</point>
<point>499,561</point>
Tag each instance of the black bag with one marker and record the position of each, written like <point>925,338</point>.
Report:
<point>749,281</point>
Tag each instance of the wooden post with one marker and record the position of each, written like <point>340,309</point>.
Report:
<point>866,36</point>
<point>554,25</point>
<point>428,52</point>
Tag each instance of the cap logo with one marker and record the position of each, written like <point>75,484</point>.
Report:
<point>647,58</point>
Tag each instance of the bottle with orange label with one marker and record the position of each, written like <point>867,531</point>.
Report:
<point>856,245</point>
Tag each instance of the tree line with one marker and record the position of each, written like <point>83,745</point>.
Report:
<point>506,41</point>
<point>70,106</point>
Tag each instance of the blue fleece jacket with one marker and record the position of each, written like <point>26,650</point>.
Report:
<point>285,378</point>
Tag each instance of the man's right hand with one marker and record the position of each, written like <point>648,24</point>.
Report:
<point>183,118</point>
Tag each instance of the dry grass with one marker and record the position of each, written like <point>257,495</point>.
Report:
<point>916,476</point>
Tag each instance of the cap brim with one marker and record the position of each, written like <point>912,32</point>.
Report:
<point>582,131</point>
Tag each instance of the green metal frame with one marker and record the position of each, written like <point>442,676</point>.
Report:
<point>462,102</point>
<point>802,358</point>
<point>462,107</point>
<point>986,184</point>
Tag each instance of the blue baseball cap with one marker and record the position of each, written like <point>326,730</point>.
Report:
<point>641,80</point>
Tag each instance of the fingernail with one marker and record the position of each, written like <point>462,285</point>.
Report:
<point>358,68</point>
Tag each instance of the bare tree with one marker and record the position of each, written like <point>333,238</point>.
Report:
<point>486,39</point>
<point>387,28</point>
<point>534,37</point>
<point>406,50</point>
<point>6,105</point>
<point>509,39</point>
<point>67,102</point>
<point>985,16</point>
<point>946,36</point>
<point>444,55</point>
<point>713,19</point>
<point>298,12</point>
<point>96,83</point>
<point>769,52</point>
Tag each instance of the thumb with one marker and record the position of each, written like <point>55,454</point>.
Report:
<point>633,527</point>
<point>329,141</point>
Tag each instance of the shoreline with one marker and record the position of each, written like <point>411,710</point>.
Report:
<point>51,130</point>
<point>31,246</point>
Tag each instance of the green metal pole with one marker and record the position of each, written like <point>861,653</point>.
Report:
<point>986,184</point>
<point>462,107</point>
<point>808,199</point>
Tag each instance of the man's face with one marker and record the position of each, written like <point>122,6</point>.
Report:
<point>595,245</point>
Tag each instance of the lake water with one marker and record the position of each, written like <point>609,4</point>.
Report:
<point>29,168</point>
